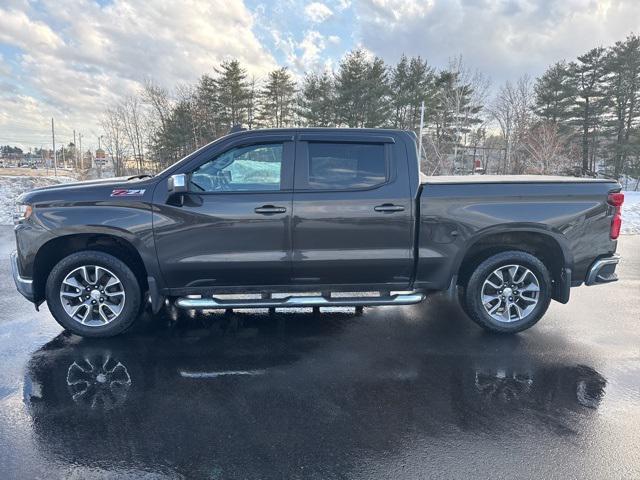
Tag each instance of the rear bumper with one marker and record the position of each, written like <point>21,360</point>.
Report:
<point>603,270</point>
<point>24,285</point>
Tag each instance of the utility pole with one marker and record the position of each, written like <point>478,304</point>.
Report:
<point>53,139</point>
<point>81,155</point>
<point>420,134</point>
<point>64,162</point>
<point>99,164</point>
<point>75,151</point>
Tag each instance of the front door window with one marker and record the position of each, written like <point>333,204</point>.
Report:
<point>255,168</point>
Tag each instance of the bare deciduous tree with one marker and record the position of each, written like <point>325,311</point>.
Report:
<point>463,100</point>
<point>546,146</point>
<point>115,136</point>
<point>512,109</point>
<point>132,120</point>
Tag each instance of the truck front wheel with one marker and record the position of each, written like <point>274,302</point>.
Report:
<point>508,292</point>
<point>93,294</point>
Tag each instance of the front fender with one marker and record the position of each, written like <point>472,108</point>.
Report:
<point>131,223</point>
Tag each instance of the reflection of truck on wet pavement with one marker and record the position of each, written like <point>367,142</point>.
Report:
<point>248,390</point>
<point>277,214</point>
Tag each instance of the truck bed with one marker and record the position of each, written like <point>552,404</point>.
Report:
<point>457,210</point>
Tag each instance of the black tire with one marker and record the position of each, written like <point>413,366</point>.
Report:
<point>472,301</point>
<point>127,278</point>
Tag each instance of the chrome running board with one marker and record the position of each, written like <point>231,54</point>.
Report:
<point>296,302</point>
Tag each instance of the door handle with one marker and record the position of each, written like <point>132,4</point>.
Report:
<point>269,209</point>
<point>388,207</point>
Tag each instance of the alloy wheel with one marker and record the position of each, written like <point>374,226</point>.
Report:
<point>510,293</point>
<point>92,295</point>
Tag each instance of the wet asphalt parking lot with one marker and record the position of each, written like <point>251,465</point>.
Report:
<point>412,392</point>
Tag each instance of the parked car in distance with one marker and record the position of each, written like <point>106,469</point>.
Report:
<point>282,213</point>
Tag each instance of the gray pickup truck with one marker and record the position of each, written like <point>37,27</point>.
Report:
<point>265,218</point>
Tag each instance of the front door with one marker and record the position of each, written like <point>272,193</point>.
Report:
<point>353,219</point>
<point>233,227</point>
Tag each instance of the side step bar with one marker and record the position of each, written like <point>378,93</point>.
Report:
<point>294,302</point>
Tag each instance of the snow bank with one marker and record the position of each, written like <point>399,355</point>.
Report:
<point>631,212</point>
<point>13,186</point>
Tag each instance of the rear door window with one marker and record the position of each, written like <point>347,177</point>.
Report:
<point>345,166</point>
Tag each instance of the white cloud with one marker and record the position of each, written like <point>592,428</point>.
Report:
<point>304,55</point>
<point>501,38</point>
<point>77,56</point>
<point>18,29</point>
<point>317,12</point>
<point>286,44</point>
<point>95,55</point>
<point>311,47</point>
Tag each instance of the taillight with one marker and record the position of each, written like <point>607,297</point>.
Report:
<point>616,200</point>
<point>616,223</point>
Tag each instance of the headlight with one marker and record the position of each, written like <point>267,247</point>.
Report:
<point>21,213</point>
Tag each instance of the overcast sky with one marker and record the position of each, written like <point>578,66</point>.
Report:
<point>70,58</point>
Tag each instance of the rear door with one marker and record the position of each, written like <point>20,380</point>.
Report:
<point>353,218</point>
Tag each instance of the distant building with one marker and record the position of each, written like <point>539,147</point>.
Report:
<point>86,159</point>
<point>100,158</point>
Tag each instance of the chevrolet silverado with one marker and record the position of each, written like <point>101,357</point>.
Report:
<point>311,218</point>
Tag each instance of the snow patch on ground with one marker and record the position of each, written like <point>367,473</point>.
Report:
<point>631,212</point>
<point>13,186</point>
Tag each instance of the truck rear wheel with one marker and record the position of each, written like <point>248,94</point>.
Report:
<point>93,294</point>
<point>508,292</point>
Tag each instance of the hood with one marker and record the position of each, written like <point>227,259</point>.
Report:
<point>85,183</point>
<point>64,191</point>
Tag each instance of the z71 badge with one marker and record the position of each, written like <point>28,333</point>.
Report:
<point>124,192</point>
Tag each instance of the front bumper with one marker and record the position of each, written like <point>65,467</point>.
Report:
<point>603,270</point>
<point>24,285</point>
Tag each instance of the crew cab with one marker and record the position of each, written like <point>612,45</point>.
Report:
<point>311,218</point>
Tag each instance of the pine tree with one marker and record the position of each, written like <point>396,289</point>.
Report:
<point>362,91</point>
<point>278,96</point>
<point>624,92</point>
<point>377,95</point>
<point>455,112</point>
<point>179,135</point>
<point>232,92</point>
<point>252,103</point>
<point>589,79</point>
<point>400,97</point>
<point>209,124</point>
<point>411,83</point>
<point>554,95</point>
<point>441,116</point>
<point>316,100</point>
<point>420,85</point>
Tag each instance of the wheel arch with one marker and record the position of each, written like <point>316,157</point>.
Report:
<point>54,250</point>
<point>550,247</point>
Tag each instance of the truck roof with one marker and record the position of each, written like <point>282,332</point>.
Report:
<point>327,130</point>
<point>464,179</point>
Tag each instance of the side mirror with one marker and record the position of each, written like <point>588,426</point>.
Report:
<point>178,183</point>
